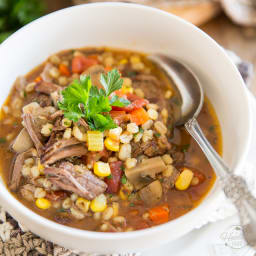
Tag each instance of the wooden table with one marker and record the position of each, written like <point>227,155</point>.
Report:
<point>238,39</point>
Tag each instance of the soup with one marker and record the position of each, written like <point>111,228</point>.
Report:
<point>88,140</point>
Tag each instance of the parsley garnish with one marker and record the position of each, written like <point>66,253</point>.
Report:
<point>212,128</point>
<point>2,140</point>
<point>81,99</point>
<point>184,148</point>
<point>109,177</point>
<point>123,179</point>
<point>157,134</point>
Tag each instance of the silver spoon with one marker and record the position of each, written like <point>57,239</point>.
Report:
<point>192,96</point>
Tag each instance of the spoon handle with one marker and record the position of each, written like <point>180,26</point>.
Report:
<point>235,187</point>
<point>213,157</point>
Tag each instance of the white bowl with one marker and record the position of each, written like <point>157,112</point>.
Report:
<point>148,30</point>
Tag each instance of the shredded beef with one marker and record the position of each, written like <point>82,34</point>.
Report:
<point>17,168</point>
<point>44,100</point>
<point>84,184</point>
<point>36,137</point>
<point>46,87</point>
<point>169,182</point>
<point>70,151</point>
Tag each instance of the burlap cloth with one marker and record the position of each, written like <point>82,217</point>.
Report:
<point>17,240</point>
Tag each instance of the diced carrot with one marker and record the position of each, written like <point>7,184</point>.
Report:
<point>120,93</point>
<point>64,70</point>
<point>108,68</point>
<point>119,116</point>
<point>38,79</point>
<point>139,116</point>
<point>81,63</point>
<point>95,57</point>
<point>159,214</point>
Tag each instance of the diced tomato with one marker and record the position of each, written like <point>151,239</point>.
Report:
<point>119,116</point>
<point>64,70</point>
<point>93,157</point>
<point>132,97</point>
<point>139,116</point>
<point>134,105</point>
<point>56,195</point>
<point>81,63</point>
<point>114,181</point>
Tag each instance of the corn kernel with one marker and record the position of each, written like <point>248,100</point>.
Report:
<point>99,203</point>
<point>139,92</point>
<point>130,162</point>
<point>126,137</point>
<point>115,207</point>
<point>167,159</point>
<point>40,167</point>
<point>54,72</point>
<point>126,90</point>
<point>135,59</point>
<point>67,134</point>
<point>168,94</point>
<point>43,203</point>
<point>47,129</point>
<point>115,133</point>
<point>78,134</point>
<point>83,204</point>
<point>123,61</point>
<point>101,169</point>
<point>132,128</point>
<point>111,144</point>
<point>125,152</point>
<point>147,135</point>
<point>184,180</point>
<point>66,122</point>
<point>152,114</point>
<point>127,82</point>
<point>95,141</point>
<point>123,194</point>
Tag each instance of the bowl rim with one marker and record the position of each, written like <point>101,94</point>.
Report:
<point>75,232</point>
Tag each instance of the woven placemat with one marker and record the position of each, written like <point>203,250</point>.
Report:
<point>17,240</point>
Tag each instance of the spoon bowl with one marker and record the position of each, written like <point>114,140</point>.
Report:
<point>192,96</point>
<point>186,83</point>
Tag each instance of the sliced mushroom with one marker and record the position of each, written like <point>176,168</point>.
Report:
<point>22,142</point>
<point>152,193</point>
<point>145,172</point>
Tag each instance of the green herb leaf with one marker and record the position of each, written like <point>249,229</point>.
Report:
<point>157,134</point>
<point>212,128</point>
<point>2,140</point>
<point>184,148</point>
<point>62,210</point>
<point>83,100</point>
<point>119,102</point>
<point>75,98</point>
<point>111,81</point>
<point>123,179</point>
<point>132,205</point>
<point>109,177</point>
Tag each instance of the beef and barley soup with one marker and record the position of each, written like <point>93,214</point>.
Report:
<point>88,139</point>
